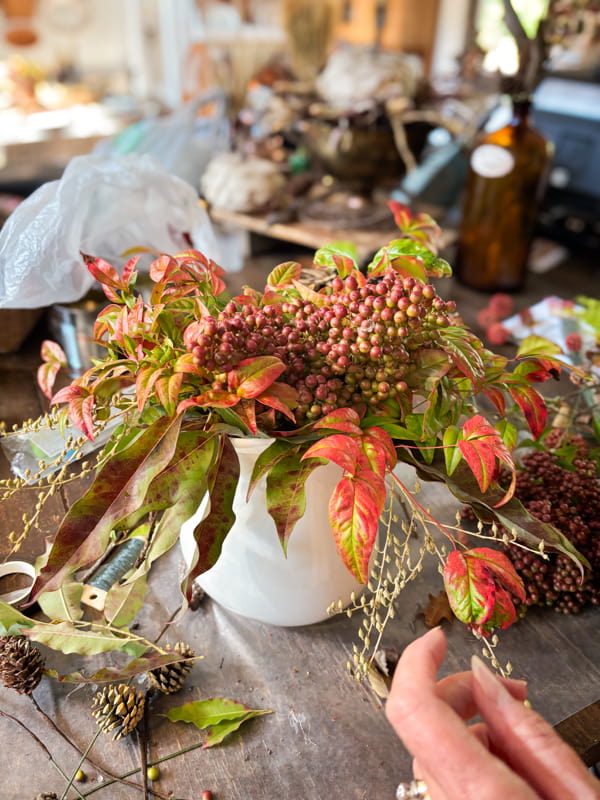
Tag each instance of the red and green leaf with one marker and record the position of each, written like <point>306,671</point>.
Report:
<point>284,274</point>
<point>119,488</point>
<point>138,666</point>
<point>81,407</point>
<point>343,420</point>
<point>54,358</point>
<point>339,448</point>
<point>285,497</point>
<point>210,533</point>
<point>343,256</point>
<point>532,405</point>
<point>478,583</point>
<point>252,376</point>
<point>281,397</point>
<point>482,446</point>
<point>354,511</point>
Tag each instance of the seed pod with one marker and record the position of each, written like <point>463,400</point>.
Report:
<point>170,678</point>
<point>21,664</point>
<point>118,708</point>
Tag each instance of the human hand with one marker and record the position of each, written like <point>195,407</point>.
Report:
<point>514,754</point>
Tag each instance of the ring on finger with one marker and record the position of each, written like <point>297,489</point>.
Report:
<point>413,790</point>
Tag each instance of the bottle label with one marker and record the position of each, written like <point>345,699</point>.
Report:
<point>491,161</point>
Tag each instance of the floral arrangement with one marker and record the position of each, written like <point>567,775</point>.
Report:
<point>372,369</point>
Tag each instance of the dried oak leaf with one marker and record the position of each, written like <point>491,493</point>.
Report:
<point>437,609</point>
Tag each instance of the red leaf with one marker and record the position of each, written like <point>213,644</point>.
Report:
<point>533,407</point>
<point>481,459</point>
<point>497,398</point>
<point>281,397</point>
<point>503,569</point>
<point>144,382</point>
<point>129,273</point>
<point>341,449</point>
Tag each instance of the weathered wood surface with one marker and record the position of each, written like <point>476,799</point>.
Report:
<point>328,736</point>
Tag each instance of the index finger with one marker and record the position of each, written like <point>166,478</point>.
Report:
<point>436,735</point>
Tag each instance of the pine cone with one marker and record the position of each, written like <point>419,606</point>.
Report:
<point>21,664</point>
<point>46,796</point>
<point>170,678</point>
<point>120,707</point>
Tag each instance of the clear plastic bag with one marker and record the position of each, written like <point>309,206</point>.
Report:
<point>183,141</point>
<point>102,206</point>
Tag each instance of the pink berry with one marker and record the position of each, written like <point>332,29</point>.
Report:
<point>497,334</point>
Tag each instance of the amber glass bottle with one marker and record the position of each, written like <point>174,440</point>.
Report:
<point>506,181</point>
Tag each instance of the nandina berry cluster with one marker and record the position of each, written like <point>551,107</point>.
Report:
<point>354,348</point>
<point>570,500</point>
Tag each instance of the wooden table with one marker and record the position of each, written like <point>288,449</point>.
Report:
<point>328,737</point>
<point>311,235</point>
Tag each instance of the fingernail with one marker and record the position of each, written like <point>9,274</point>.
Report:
<point>490,684</point>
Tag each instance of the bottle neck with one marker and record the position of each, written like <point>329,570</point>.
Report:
<point>521,107</point>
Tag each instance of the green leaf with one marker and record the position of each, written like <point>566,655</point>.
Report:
<point>9,616</point>
<point>452,454</point>
<point>64,602</point>
<point>219,715</point>
<point>178,491</point>
<point>508,432</point>
<point>124,601</point>
<point>537,346</point>
<point>68,638</point>
<point>408,257</point>
<point>341,255</point>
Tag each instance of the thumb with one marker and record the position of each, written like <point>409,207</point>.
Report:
<point>528,743</point>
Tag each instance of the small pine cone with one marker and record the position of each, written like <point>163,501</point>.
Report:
<point>118,708</point>
<point>170,678</point>
<point>46,796</point>
<point>21,664</point>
